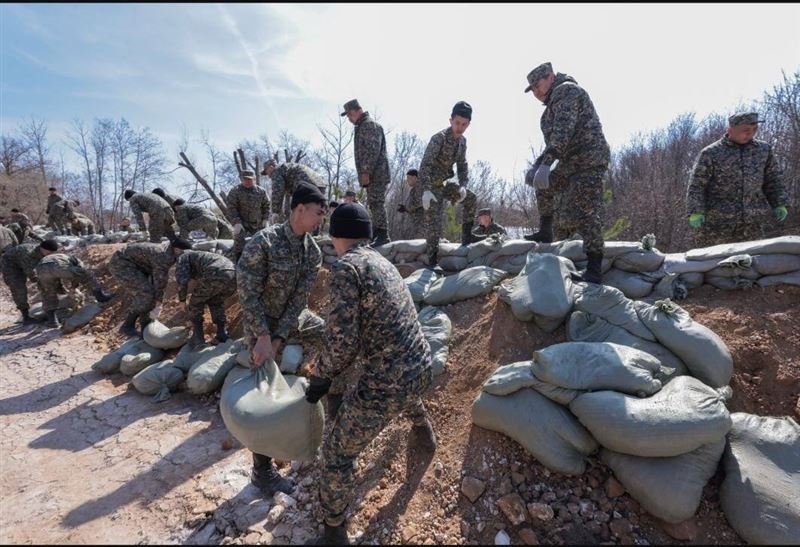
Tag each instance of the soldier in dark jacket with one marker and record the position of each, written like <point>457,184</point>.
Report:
<point>413,204</point>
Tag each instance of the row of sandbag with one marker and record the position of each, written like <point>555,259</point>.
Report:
<point>218,246</point>
<point>74,241</point>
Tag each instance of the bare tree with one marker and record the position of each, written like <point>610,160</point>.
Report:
<point>14,154</point>
<point>333,154</point>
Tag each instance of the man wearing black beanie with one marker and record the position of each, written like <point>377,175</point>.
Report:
<point>274,275</point>
<point>372,325</point>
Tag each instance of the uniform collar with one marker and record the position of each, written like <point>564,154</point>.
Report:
<point>364,117</point>
<point>727,140</point>
<point>358,245</point>
<point>294,240</point>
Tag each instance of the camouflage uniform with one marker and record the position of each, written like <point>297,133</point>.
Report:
<point>573,135</point>
<point>372,324</point>
<point>54,269</point>
<point>482,232</point>
<point>8,239</point>
<point>82,225</point>
<point>250,208</point>
<point>735,186</point>
<point>216,276</point>
<point>369,145</point>
<point>194,217</point>
<point>416,212</point>
<point>23,228</point>
<point>161,215</point>
<point>169,198</point>
<point>55,213</point>
<point>285,179</point>
<point>18,265</point>
<point>437,166</point>
<point>224,229</point>
<point>141,270</point>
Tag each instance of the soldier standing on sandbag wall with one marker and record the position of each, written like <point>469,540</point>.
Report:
<point>372,166</point>
<point>18,266</point>
<point>413,204</point>
<point>486,226</point>
<point>55,217</point>
<point>56,269</point>
<point>216,281</point>
<point>169,198</point>
<point>82,225</point>
<point>142,270</point>
<point>573,192</point>
<point>248,209</point>
<point>372,325</point>
<point>194,217</point>
<point>446,148</point>
<point>285,180</point>
<point>161,215</point>
<point>275,274</point>
<point>735,183</point>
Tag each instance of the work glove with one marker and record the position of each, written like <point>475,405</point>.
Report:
<point>155,312</point>
<point>265,223</point>
<point>427,198</point>
<point>541,180</point>
<point>462,192</point>
<point>781,213</point>
<point>274,218</point>
<point>696,220</point>
<point>317,388</point>
<point>237,228</point>
<point>402,209</point>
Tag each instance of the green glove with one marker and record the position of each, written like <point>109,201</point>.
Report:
<point>781,213</point>
<point>696,220</point>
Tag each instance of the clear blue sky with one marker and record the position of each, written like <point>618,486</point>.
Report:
<point>243,70</point>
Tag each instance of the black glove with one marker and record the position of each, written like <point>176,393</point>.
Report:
<point>317,387</point>
<point>401,209</point>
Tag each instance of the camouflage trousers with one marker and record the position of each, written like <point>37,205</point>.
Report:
<point>212,292</point>
<point>54,279</point>
<point>434,216</point>
<point>137,285</point>
<point>59,221</point>
<point>239,242</point>
<point>720,228</point>
<point>363,415</point>
<point>224,229</point>
<point>82,227</point>
<point>376,202</point>
<point>161,224</point>
<point>417,219</point>
<point>575,201</point>
<point>207,224</point>
<point>17,282</point>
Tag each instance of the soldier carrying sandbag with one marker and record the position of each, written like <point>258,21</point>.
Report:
<point>161,216</point>
<point>192,217</point>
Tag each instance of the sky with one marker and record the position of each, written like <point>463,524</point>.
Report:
<point>242,70</point>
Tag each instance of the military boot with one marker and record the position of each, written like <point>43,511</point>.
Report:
<point>334,402</point>
<point>101,296</point>
<point>381,238</point>
<point>422,436</point>
<point>144,320</point>
<point>52,320</point>
<point>333,535</point>
<point>28,320</point>
<point>545,233</point>
<point>466,232</point>
<point>593,272</point>
<point>266,477</point>
<point>197,338</point>
<point>128,328</point>
<point>222,336</point>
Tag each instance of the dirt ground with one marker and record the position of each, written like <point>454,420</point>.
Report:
<point>86,459</point>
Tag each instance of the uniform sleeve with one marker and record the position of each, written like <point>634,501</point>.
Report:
<point>233,207</point>
<point>299,300</point>
<point>702,173</point>
<point>278,186</point>
<point>342,338</point>
<point>251,276</point>
<point>414,200</point>
<point>182,275</point>
<point>137,212</point>
<point>773,187</point>
<point>368,151</point>
<point>461,164</point>
<point>182,218</point>
<point>566,109</point>
<point>265,206</point>
<point>160,277</point>
<point>426,166</point>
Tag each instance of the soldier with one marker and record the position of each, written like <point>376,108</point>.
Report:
<point>8,239</point>
<point>372,325</point>
<point>194,217</point>
<point>248,209</point>
<point>55,215</point>
<point>22,227</point>
<point>169,198</point>
<point>141,269</point>
<point>735,182</point>
<point>486,226</point>
<point>275,274</point>
<point>350,196</point>
<point>158,210</point>
<point>285,179</point>
<point>18,265</point>
<point>57,268</point>
<point>573,135</point>
<point>413,204</point>
<point>125,225</point>
<point>446,148</point>
<point>82,225</point>
<point>216,281</point>
<point>224,229</point>
<point>372,166</point>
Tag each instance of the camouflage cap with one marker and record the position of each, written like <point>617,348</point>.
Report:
<point>350,105</point>
<point>247,173</point>
<point>350,193</point>
<point>484,211</point>
<point>741,118</point>
<point>537,74</point>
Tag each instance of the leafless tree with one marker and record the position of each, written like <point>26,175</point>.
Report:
<point>14,154</point>
<point>334,153</point>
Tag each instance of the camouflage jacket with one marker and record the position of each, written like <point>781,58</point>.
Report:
<point>414,200</point>
<point>442,152</point>
<point>285,179</point>
<point>23,232</point>
<point>735,179</point>
<point>493,228</point>
<point>21,218</point>
<point>7,239</point>
<point>52,199</point>
<point>274,276</point>
<point>154,259</point>
<point>369,144</point>
<point>59,262</point>
<point>373,322</point>
<point>81,221</point>
<point>199,265</point>
<point>146,203</point>
<point>572,131</point>
<point>248,206</point>
<point>187,212</point>
<point>24,256</point>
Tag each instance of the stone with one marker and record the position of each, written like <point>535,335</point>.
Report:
<point>684,531</point>
<point>505,486</point>
<point>282,499</point>
<point>540,512</point>
<point>438,469</point>
<point>253,538</point>
<point>227,444</point>
<point>513,508</point>
<point>502,538</point>
<point>517,478</point>
<point>472,488</point>
<point>408,533</point>
<point>275,514</point>
<point>620,527</point>
<point>528,537</point>
<point>613,488</point>
<point>284,529</point>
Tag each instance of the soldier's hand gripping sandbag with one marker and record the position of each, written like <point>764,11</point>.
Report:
<point>270,416</point>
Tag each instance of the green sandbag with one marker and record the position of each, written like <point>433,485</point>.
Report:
<point>482,248</point>
<point>776,245</point>
<point>139,356</point>
<point>158,380</point>
<point>791,278</point>
<point>109,363</point>
<point>160,336</point>
<point>209,370</point>
<point>776,264</point>
<point>419,282</point>
<point>632,285</point>
<point>437,328</point>
<point>610,304</point>
<point>81,318</point>
<point>513,377</point>
<point>465,284</point>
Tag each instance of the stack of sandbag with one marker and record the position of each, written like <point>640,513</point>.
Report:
<point>465,284</point>
<point>437,328</point>
<point>109,363</point>
<point>419,282</point>
<point>139,356</point>
<point>158,380</point>
<point>211,366</point>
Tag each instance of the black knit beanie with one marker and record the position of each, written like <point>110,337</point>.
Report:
<point>129,194</point>
<point>351,221</point>
<point>307,193</point>
<point>49,245</point>
<point>463,109</point>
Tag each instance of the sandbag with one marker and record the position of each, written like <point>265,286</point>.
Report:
<point>729,283</point>
<point>571,249</point>
<point>792,278</point>
<point>702,351</point>
<point>679,264</point>
<point>692,280</point>
<point>465,284</point>
<point>158,380</point>
<point>453,263</point>
<point>65,302</point>
<point>640,260</point>
<point>760,495</point>
<point>269,415</point>
<point>776,264</point>
<point>605,265</point>
<point>402,258</point>
<point>682,417</point>
<point>437,329</point>
<point>482,248</point>
<point>509,264</point>
<point>291,359</point>
<point>597,366</point>
<point>110,362</point>
<point>414,246</point>
<point>544,428</point>
<point>733,271</point>
<point>209,370</point>
<point>452,249</point>
<point>670,286</point>
<point>208,246</point>
<point>610,304</point>
<point>81,318</point>
<point>668,488</point>
<point>160,336</point>
<point>139,356</point>
<point>513,377</point>
<point>516,247</point>
<point>632,285</point>
<point>776,245</point>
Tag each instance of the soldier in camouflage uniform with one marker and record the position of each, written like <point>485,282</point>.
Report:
<point>8,239</point>
<point>55,212</point>
<point>372,325</point>
<point>56,269</point>
<point>194,217</point>
<point>574,136</point>
<point>735,184</point>
<point>486,226</point>
<point>162,217</point>
<point>22,227</point>
<point>413,204</point>
<point>82,225</point>
<point>224,229</point>
<point>446,148</point>
<point>125,225</point>
<point>169,198</point>
<point>18,266</point>
<point>216,281</point>
<point>285,180</point>
<point>142,269</point>
<point>275,274</point>
<point>248,209</point>
<point>372,166</point>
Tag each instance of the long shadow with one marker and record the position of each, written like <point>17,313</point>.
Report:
<point>51,395</point>
<point>25,337</point>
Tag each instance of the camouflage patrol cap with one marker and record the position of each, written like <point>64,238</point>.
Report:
<point>247,174</point>
<point>741,118</point>
<point>350,193</point>
<point>484,211</point>
<point>350,105</point>
<point>537,74</point>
